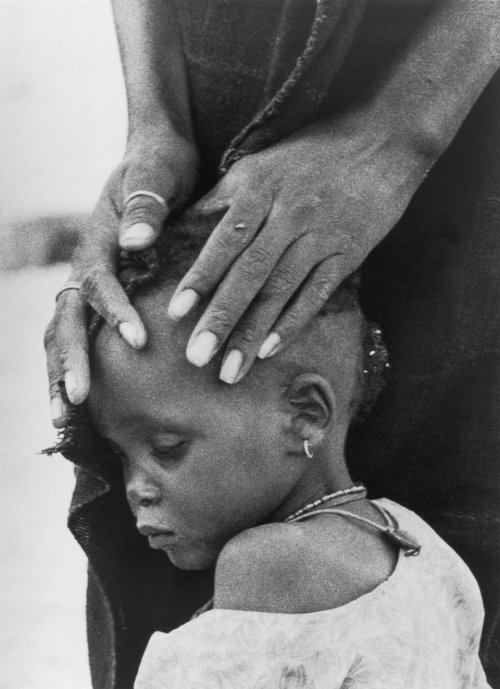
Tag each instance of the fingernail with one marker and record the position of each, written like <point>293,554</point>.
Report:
<point>56,409</point>
<point>231,367</point>
<point>137,236</point>
<point>269,346</point>
<point>182,303</point>
<point>132,335</point>
<point>71,385</point>
<point>202,348</point>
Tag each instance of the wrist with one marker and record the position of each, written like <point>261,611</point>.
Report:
<point>159,134</point>
<point>150,119</point>
<point>379,133</point>
<point>414,126</point>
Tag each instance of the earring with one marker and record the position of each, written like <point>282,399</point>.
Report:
<point>307,449</point>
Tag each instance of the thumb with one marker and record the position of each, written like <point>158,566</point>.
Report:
<point>147,189</point>
<point>142,219</point>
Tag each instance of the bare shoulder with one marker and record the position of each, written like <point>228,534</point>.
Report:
<point>257,570</point>
<point>299,568</point>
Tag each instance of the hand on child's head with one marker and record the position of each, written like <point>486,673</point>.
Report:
<point>203,460</point>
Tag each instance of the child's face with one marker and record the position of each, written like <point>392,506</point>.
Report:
<point>202,461</point>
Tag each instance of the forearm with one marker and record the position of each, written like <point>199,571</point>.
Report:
<point>153,65</point>
<point>431,89</point>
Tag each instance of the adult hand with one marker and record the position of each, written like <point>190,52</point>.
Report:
<point>300,217</point>
<point>157,162</point>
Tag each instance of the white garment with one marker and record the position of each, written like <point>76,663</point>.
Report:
<point>419,629</point>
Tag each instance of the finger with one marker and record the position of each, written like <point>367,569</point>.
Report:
<point>252,329</point>
<point>58,409</point>
<point>142,222</point>
<point>219,198</point>
<point>233,296</point>
<point>69,345</point>
<point>106,296</point>
<point>214,202</point>
<point>228,240</point>
<point>316,291</point>
<point>144,216</point>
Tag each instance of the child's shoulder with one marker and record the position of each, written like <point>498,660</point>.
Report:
<point>299,568</point>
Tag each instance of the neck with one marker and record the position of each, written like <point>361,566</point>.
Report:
<point>325,473</point>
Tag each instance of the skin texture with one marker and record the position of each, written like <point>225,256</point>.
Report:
<point>209,469</point>
<point>306,226</point>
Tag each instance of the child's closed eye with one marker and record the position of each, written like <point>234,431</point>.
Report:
<point>166,453</point>
<point>162,451</point>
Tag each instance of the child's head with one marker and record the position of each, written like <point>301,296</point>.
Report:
<point>203,460</point>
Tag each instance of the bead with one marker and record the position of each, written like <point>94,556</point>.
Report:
<point>357,488</point>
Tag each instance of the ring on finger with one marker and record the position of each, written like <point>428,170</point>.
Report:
<point>70,284</point>
<point>142,192</point>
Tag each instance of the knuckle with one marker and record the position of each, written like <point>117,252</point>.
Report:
<point>281,280</point>
<point>65,355</point>
<point>97,294</point>
<point>234,241</point>
<point>308,204</point>
<point>143,209</point>
<point>236,235</point>
<point>238,232</point>
<point>321,290</point>
<point>199,280</point>
<point>54,386</point>
<point>92,281</point>
<point>246,334</point>
<point>255,262</point>
<point>110,314</point>
<point>291,323</point>
<point>310,242</point>
<point>219,319</point>
<point>352,244</point>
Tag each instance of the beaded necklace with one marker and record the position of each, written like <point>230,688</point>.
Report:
<point>340,497</point>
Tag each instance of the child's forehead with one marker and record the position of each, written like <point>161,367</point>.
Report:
<point>161,371</point>
<point>162,362</point>
<point>158,389</point>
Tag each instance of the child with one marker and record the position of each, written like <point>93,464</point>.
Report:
<point>315,585</point>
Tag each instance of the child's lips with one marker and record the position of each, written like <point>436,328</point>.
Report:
<point>162,539</point>
<point>150,530</point>
<point>157,536</point>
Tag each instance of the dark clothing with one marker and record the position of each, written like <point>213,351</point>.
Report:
<point>431,442</point>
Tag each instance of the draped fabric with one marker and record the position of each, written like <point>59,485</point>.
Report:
<point>258,70</point>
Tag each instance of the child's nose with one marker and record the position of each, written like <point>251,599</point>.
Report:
<point>141,490</point>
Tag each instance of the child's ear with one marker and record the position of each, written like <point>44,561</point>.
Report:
<point>311,405</point>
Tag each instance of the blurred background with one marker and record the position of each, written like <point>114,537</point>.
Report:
<point>62,124</point>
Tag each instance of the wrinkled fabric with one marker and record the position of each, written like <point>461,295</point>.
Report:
<point>259,70</point>
<point>419,629</point>
<point>432,441</point>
